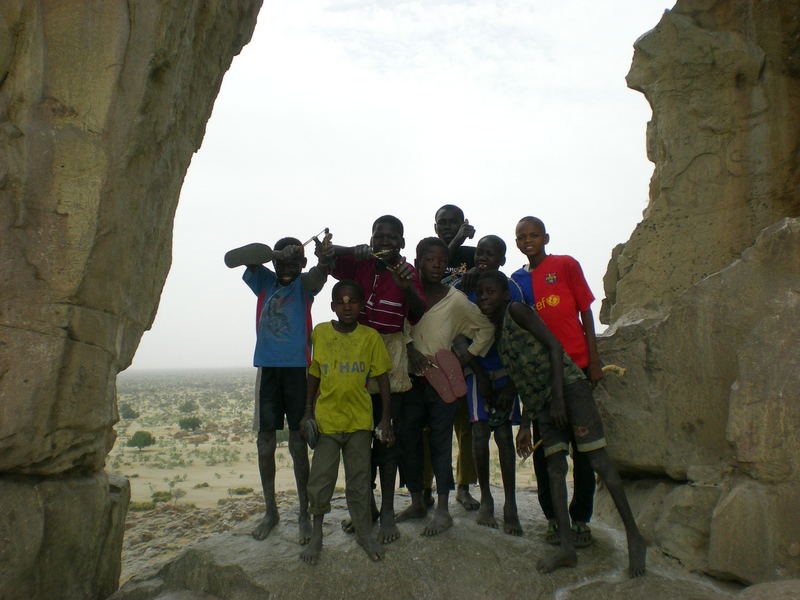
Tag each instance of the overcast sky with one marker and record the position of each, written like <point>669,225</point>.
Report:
<point>338,112</point>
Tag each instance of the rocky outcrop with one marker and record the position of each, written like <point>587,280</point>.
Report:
<point>704,299</point>
<point>102,105</point>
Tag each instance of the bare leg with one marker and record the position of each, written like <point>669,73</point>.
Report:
<point>311,552</point>
<point>265,443</point>
<point>427,497</point>
<point>565,556</point>
<point>299,452</point>
<point>505,446</point>
<point>441,521</point>
<point>637,547</point>
<point>388,531</point>
<point>465,499</point>
<point>480,450</point>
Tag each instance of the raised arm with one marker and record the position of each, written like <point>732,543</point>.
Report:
<point>316,277</point>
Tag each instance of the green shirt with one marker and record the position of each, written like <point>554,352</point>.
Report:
<point>342,362</point>
<point>527,361</point>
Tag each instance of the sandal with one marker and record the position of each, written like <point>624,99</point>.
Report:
<point>583,535</point>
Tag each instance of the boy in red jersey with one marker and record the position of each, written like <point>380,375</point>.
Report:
<point>556,287</point>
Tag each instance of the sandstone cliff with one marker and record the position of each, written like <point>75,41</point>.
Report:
<point>102,104</point>
<point>703,300</point>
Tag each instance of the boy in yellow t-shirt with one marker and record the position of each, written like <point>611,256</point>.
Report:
<point>345,355</point>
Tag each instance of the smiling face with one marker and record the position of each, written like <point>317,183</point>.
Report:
<point>492,295</point>
<point>347,304</point>
<point>387,237</point>
<point>448,222</point>
<point>432,264</point>
<point>489,254</point>
<point>289,270</point>
<point>531,239</point>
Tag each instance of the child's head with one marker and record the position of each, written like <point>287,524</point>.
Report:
<point>492,292</point>
<point>490,253</point>
<point>347,298</point>
<point>387,234</point>
<point>448,220</point>
<point>431,259</point>
<point>531,237</point>
<point>288,270</point>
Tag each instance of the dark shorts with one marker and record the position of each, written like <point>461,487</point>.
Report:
<point>280,391</point>
<point>584,420</point>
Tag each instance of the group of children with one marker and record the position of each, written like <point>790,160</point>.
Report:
<point>416,353</point>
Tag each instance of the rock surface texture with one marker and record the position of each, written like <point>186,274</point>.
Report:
<point>102,104</point>
<point>704,299</point>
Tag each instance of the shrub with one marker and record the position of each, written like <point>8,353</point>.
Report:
<point>240,491</point>
<point>126,412</point>
<point>189,423</point>
<point>141,439</point>
<point>161,496</point>
<point>140,506</point>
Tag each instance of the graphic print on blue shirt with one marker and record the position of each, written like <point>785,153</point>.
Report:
<point>283,320</point>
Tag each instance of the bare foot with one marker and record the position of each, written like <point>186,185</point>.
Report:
<point>486,515</point>
<point>265,525</point>
<point>511,524</point>
<point>347,524</point>
<point>388,531</point>
<point>304,536</point>
<point>562,558</point>
<point>371,546</point>
<point>441,521</point>
<point>465,499</point>
<point>637,555</point>
<point>415,511</point>
<point>310,555</point>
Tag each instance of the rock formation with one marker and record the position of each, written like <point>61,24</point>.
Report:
<point>102,104</point>
<point>704,299</point>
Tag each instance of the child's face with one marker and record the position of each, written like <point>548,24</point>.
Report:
<point>448,222</point>
<point>386,236</point>
<point>347,305</point>
<point>289,270</point>
<point>489,256</point>
<point>432,264</point>
<point>491,297</point>
<point>531,238</point>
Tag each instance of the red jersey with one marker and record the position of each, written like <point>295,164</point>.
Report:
<point>560,292</point>
<point>385,307</point>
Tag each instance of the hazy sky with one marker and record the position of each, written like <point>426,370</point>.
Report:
<point>338,112</point>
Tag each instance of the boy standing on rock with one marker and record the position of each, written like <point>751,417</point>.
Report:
<point>346,354</point>
<point>282,354</point>
<point>555,393</point>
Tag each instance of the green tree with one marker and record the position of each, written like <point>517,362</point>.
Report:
<point>189,423</point>
<point>127,412</point>
<point>141,439</point>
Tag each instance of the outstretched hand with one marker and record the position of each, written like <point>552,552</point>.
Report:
<point>324,250</point>
<point>287,253</point>
<point>362,251</point>
<point>402,273</point>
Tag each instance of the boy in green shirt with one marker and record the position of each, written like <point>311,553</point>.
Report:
<point>345,355</point>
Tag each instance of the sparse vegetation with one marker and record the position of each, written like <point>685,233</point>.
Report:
<point>141,506</point>
<point>161,496</point>
<point>188,407</point>
<point>126,412</point>
<point>240,491</point>
<point>189,423</point>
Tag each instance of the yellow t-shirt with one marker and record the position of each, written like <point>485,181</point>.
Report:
<point>342,362</point>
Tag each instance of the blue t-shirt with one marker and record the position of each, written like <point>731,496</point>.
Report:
<point>283,320</point>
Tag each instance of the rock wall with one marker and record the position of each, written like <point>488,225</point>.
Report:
<point>102,104</point>
<point>704,299</point>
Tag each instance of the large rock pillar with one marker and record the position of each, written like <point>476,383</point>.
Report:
<point>102,104</point>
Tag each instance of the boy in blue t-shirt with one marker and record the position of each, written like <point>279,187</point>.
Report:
<point>282,354</point>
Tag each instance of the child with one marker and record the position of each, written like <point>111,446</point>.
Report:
<point>393,293</point>
<point>449,314</point>
<point>453,229</point>
<point>492,402</point>
<point>345,355</point>
<point>557,288</point>
<point>556,393</point>
<point>282,352</point>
